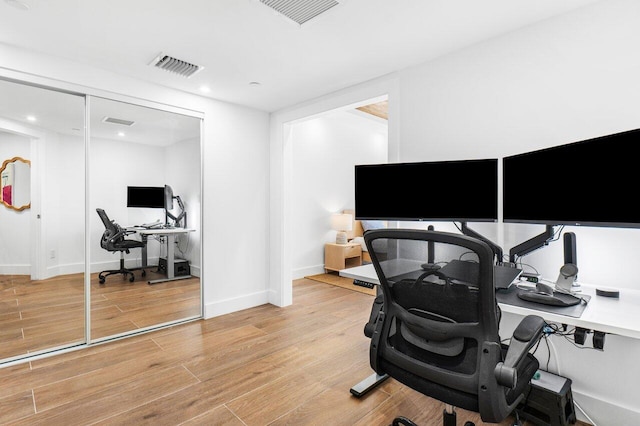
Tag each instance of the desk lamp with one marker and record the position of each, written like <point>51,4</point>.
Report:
<point>341,222</point>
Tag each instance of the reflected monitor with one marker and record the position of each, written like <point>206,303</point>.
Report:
<point>168,198</point>
<point>145,197</point>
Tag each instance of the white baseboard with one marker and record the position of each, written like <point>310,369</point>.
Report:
<point>15,269</point>
<point>602,412</point>
<point>309,270</point>
<point>228,306</point>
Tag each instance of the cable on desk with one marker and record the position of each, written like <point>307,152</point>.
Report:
<point>186,250</point>
<point>522,265</point>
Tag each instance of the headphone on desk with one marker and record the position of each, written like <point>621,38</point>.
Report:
<point>567,276</point>
<point>569,270</point>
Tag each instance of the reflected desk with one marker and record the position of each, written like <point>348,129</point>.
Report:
<point>170,237</point>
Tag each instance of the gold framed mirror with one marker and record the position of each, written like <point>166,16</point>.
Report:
<point>15,183</point>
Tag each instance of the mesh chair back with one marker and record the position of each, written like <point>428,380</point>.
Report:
<point>439,331</point>
<point>112,229</point>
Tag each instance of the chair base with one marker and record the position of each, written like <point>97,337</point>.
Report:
<point>102,276</point>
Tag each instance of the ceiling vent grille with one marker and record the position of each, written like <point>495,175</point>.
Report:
<point>175,65</point>
<point>120,121</point>
<point>300,11</point>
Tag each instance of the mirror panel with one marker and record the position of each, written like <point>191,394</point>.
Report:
<point>144,149</point>
<point>42,298</point>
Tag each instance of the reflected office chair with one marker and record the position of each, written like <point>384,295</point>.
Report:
<point>113,240</point>
<point>439,336</point>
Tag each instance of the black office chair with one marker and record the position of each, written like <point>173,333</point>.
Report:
<point>440,336</point>
<point>113,240</point>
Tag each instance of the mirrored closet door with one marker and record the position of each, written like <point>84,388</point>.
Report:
<point>125,199</point>
<point>144,184</point>
<point>42,226</point>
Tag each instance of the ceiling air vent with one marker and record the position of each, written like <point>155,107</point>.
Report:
<point>301,11</point>
<point>175,65</point>
<point>120,121</point>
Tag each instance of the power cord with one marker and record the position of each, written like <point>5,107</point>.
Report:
<point>549,330</point>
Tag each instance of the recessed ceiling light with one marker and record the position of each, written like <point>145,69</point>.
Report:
<point>18,4</point>
<point>31,118</point>
<point>121,134</point>
<point>205,89</point>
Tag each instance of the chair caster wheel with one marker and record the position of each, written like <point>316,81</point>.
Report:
<point>402,421</point>
<point>144,273</point>
<point>131,279</point>
<point>101,280</point>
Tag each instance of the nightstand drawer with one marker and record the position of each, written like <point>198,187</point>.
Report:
<point>352,251</point>
<point>341,256</point>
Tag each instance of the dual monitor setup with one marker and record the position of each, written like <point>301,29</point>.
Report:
<point>586,183</point>
<point>158,197</point>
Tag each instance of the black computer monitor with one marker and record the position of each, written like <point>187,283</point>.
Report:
<point>589,183</point>
<point>456,191</point>
<point>145,196</point>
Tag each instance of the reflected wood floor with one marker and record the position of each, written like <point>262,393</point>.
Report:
<point>261,366</point>
<point>37,315</point>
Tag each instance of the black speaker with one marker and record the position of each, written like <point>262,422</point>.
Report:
<point>549,401</point>
<point>570,251</point>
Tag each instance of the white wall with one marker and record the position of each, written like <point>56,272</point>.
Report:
<point>235,175</point>
<point>325,151</point>
<point>109,192</point>
<point>63,204</point>
<point>182,165</point>
<point>566,79</point>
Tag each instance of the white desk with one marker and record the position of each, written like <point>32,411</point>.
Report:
<point>170,234</point>
<point>616,316</point>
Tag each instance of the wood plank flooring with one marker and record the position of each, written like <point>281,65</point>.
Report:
<point>38,315</point>
<point>261,366</point>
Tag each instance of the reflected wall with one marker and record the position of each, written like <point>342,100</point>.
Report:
<point>136,146</point>
<point>42,297</point>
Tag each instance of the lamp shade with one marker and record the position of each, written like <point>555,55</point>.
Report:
<point>341,222</point>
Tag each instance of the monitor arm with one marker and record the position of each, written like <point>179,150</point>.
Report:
<point>531,244</point>
<point>497,250</point>
<point>181,215</point>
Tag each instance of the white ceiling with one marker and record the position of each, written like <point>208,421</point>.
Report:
<point>242,41</point>
<point>64,113</point>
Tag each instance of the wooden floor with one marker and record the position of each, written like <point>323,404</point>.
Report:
<point>261,366</point>
<point>38,315</point>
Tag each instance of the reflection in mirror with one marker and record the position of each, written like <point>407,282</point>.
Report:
<point>135,153</point>
<point>42,302</point>
<point>15,183</point>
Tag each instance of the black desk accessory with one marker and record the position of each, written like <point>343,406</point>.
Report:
<point>608,293</point>
<point>557,299</point>
<point>510,297</point>
<point>430,266</point>
<point>467,271</point>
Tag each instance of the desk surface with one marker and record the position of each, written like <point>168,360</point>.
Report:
<point>617,316</point>
<point>160,231</point>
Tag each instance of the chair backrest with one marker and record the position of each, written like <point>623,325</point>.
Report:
<point>439,328</point>
<point>108,242</point>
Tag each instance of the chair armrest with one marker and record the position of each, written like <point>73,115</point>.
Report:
<point>375,309</point>
<point>524,337</point>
